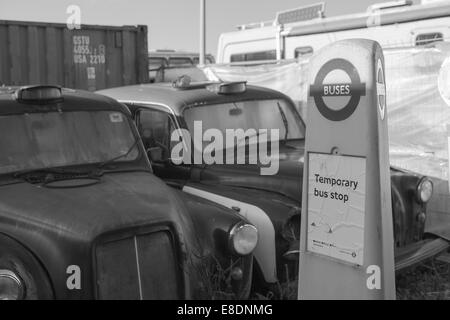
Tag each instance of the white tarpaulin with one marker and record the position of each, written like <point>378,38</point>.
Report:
<point>418,101</point>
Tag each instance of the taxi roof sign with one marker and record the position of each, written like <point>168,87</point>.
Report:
<point>39,94</point>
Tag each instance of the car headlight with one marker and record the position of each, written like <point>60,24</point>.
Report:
<point>424,190</point>
<point>243,239</point>
<point>11,286</point>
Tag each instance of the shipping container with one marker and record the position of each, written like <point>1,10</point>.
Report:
<point>90,58</point>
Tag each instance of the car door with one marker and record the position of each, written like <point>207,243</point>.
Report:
<point>155,128</point>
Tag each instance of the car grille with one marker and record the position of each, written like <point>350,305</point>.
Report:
<point>138,267</point>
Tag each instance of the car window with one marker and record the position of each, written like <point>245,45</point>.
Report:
<point>155,127</point>
<point>427,38</point>
<point>180,62</point>
<point>254,56</point>
<point>303,51</point>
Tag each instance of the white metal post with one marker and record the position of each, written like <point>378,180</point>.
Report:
<point>202,32</point>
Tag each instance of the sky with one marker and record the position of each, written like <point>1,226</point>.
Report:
<point>172,24</point>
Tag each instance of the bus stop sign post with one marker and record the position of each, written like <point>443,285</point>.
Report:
<point>346,242</point>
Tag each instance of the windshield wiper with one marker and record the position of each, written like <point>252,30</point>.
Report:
<point>285,122</point>
<point>61,171</point>
<point>120,156</point>
<point>256,135</point>
<point>54,174</point>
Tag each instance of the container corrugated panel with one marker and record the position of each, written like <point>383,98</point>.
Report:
<point>89,58</point>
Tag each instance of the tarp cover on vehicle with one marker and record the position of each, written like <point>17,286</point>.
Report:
<point>418,104</point>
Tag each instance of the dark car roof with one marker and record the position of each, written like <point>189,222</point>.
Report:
<point>73,100</point>
<point>178,99</point>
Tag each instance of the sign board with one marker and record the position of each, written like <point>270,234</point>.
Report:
<point>346,245</point>
<point>336,198</point>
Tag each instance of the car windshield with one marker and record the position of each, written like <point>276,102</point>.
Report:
<point>254,114</point>
<point>54,139</point>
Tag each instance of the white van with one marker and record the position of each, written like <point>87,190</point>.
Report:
<point>302,31</point>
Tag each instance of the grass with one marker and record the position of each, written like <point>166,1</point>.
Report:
<point>429,280</point>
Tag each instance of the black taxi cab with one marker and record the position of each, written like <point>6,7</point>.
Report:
<point>272,202</point>
<point>82,216</point>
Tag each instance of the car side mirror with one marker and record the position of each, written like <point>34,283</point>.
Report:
<point>155,154</point>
